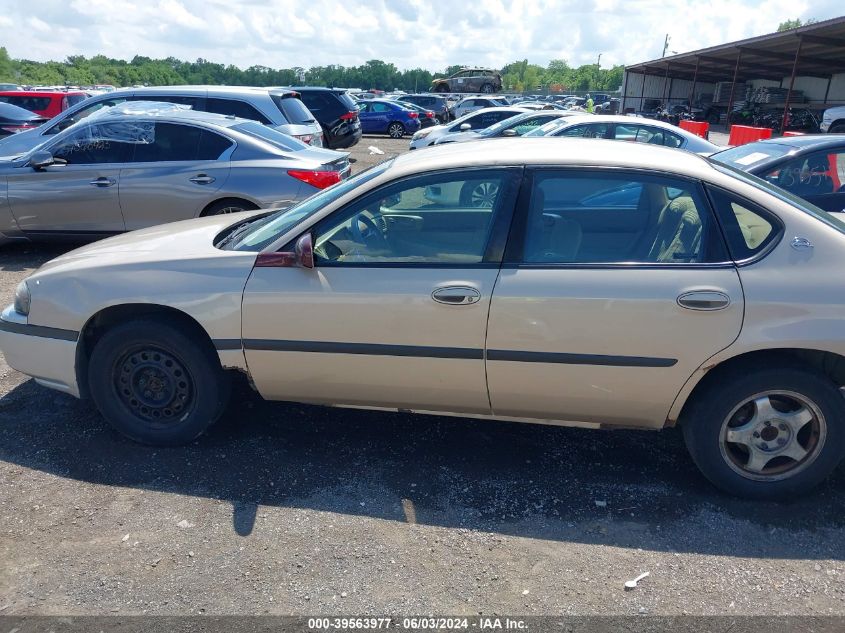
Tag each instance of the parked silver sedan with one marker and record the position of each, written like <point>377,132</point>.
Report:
<point>139,164</point>
<point>642,287</point>
<point>625,128</point>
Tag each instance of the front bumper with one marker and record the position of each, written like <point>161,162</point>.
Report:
<point>47,354</point>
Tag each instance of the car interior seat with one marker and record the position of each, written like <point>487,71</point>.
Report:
<point>550,237</point>
<point>678,237</point>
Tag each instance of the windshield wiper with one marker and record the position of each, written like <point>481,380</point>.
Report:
<point>238,232</point>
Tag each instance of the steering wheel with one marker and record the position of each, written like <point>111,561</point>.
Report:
<point>371,235</point>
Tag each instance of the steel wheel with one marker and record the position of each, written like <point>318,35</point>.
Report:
<point>772,435</point>
<point>153,385</point>
<point>396,130</point>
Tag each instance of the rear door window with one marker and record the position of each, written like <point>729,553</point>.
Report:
<point>28,103</point>
<point>170,142</point>
<point>234,107</point>
<point>293,109</point>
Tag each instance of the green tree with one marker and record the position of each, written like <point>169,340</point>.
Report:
<point>794,24</point>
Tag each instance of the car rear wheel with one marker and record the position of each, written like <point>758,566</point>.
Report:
<point>441,88</point>
<point>156,383</point>
<point>230,205</point>
<point>837,129</point>
<point>769,434</point>
<point>396,130</point>
<point>487,89</point>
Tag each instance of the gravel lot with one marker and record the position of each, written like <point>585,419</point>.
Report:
<point>290,509</point>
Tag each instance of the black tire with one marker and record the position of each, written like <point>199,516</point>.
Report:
<point>838,128</point>
<point>189,392</point>
<point>716,412</point>
<point>488,89</point>
<point>396,130</point>
<point>228,205</point>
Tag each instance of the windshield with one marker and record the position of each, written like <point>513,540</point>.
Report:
<point>502,125</point>
<point>745,156</point>
<point>270,135</point>
<point>782,194</point>
<point>547,128</point>
<point>265,233</point>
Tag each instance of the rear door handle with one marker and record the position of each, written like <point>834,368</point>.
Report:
<point>456,295</point>
<point>102,181</point>
<point>704,300</point>
<point>202,179</point>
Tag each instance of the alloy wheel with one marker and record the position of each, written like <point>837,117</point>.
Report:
<point>483,195</point>
<point>772,435</point>
<point>396,130</point>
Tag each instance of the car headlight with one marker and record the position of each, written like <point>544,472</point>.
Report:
<point>22,298</point>
<point>420,134</point>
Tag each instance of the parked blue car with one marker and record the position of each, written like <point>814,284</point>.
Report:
<point>380,116</point>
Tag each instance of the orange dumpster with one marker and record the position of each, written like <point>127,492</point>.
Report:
<point>742,134</point>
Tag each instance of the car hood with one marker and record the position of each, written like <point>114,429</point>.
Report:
<point>460,137</point>
<point>184,240</point>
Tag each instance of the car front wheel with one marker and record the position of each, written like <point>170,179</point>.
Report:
<point>767,434</point>
<point>157,383</point>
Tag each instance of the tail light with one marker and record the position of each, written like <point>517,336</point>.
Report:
<point>349,116</point>
<point>430,115</point>
<point>305,138</point>
<point>413,115</point>
<point>318,179</point>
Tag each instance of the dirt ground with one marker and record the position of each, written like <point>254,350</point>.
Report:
<point>290,509</point>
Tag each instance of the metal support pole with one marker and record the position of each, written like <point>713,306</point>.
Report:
<point>625,92</point>
<point>642,93</point>
<point>694,80</point>
<point>791,84</point>
<point>827,91</point>
<point>733,87</point>
<point>665,81</point>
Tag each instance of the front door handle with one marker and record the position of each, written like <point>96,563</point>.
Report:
<point>456,295</point>
<point>102,181</point>
<point>202,179</point>
<point>705,300</point>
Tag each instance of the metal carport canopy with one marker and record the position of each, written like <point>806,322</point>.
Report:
<point>815,50</point>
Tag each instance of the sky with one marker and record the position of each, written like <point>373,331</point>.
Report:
<point>431,34</point>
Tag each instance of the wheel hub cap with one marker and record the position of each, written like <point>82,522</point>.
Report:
<point>153,385</point>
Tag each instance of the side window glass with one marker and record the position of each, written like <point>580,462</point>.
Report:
<point>575,130</point>
<point>212,146</point>
<point>626,132</point>
<point>817,174</point>
<point>233,107</point>
<point>99,143</point>
<point>748,229</point>
<point>620,218</point>
<point>170,142</point>
<point>380,107</point>
<point>672,140</point>
<point>441,219</point>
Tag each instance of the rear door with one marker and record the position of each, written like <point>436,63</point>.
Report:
<point>616,288</point>
<point>394,313</point>
<point>174,174</point>
<point>79,196</point>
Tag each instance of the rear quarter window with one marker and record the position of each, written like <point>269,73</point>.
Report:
<point>749,230</point>
<point>293,109</point>
<point>233,107</point>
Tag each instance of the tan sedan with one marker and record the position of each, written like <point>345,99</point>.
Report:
<point>623,286</point>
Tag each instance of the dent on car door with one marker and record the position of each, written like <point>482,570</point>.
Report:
<point>79,193</point>
<point>395,310</point>
<point>615,289</point>
<point>175,171</point>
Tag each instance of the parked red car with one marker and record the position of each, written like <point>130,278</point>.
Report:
<point>47,104</point>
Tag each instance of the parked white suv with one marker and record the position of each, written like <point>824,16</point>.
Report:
<point>281,109</point>
<point>833,120</point>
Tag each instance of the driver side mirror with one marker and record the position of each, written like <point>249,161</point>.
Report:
<point>41,159</point>
<point>510,132</point>
<point>301,257</point>
<point>304,251</point>
<point>465,127</point>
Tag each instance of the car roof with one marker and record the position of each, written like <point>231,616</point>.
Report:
<point>201,90</point>
<point>807,142</point>
<point>40,93</point>
<point>550,151</point>
<point>314,89</point>
<point>146,110</point>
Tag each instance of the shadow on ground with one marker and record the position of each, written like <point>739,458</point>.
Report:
<point>518,479</point>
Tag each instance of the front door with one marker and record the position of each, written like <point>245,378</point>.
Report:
<point>173,175</point>
<point>79,194</point>
<point>394,313</point>
<point>617,290</point>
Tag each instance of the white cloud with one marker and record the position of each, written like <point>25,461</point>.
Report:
<point>430,34</point>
